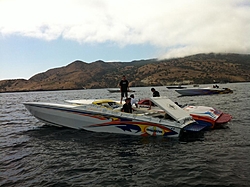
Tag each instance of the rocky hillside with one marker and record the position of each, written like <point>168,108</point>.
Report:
<point>195,69</point>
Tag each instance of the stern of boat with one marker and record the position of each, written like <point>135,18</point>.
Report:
<point>192,132</point>
<point>222,120</point>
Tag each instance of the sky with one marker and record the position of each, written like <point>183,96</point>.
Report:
<point>38,35</point>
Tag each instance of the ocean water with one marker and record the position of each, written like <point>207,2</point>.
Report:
<point>33,154</point>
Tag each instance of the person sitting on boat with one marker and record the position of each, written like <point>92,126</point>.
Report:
<point>127,107</point>
<point>133,100</point>
<point>215,86</point>
<point>155,94</point>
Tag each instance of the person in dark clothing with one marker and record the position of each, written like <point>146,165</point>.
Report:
<point>124,87</point>
<point>127,107</point>
<point>155,94</point>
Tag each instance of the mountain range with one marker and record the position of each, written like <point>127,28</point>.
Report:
<point>195,69</point>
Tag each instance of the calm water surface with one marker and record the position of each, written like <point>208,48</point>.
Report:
<point>33,154</point>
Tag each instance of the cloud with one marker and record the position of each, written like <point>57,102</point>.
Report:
<point>176,27</point>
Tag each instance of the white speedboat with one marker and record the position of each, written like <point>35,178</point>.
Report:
<point>105,116</point>
<point>203,91</point>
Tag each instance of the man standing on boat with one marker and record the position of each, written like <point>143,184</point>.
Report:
<point>124,87</point>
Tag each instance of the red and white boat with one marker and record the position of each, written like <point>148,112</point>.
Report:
<point>208,116</point>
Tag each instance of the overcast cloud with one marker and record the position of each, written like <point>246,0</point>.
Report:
<point>176,27</point>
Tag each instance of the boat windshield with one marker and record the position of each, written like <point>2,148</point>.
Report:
<point>113,105</point>
<point>108,104</point>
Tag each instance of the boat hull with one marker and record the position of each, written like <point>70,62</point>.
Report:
<point>122,123</point>
<point>176,87</point>
<point>203,91</point>
<point>208,116</point>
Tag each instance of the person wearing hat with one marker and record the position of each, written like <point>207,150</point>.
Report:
<point>127,107</point>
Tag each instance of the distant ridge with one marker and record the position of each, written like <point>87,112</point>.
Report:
<point>195,69</point>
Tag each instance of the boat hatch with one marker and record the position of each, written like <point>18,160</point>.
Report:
<point>170,108</point>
